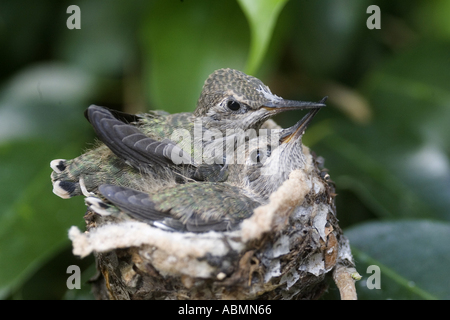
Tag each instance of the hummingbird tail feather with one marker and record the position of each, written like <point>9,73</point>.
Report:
<point>64,186</point>
<point>65,189</point>
<point>58,165</point>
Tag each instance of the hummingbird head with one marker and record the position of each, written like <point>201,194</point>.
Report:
<point>269,166</point>
<point>230,99</point>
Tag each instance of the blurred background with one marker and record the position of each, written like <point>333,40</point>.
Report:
<point>385,134</point>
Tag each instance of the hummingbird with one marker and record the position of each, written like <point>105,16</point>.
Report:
<point>212,206</point>
<point>230,100</point>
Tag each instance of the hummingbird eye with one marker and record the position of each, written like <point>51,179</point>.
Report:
<point>233,105</point>
<point>258,155</point>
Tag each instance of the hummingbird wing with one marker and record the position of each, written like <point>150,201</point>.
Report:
<point>100,166</point>
<point>130,144</point>
<point>194,207</point>
<point>122,116</point>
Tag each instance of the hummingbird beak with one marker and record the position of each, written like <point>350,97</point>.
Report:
<point>276,106</point>
<point>293,133</point>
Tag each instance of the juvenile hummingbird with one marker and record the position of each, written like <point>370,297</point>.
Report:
<point>229,100</point>
<point>284,242</point>
<point>207,206</point>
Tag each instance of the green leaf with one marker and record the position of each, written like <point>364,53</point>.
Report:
<point>326,33</point>
<point>33,221</point>
<point>115,24</point>
<point>262,16</point>
<point>431,18</point>
<point>399,163</point>
<point>413,257</point>
<point>184,42</point>
<point>41,115</point>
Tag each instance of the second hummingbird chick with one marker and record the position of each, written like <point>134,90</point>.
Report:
<point>209,206</point>
<point>230,100</point>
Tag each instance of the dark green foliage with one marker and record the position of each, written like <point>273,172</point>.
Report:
<point>385,133</point>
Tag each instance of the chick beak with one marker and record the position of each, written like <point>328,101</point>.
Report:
<point>293,133</point>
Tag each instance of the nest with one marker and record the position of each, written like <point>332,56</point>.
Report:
<point>288,249</point>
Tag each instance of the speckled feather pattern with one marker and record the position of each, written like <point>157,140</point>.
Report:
<point>204,198</point>
<point>231,82</point>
